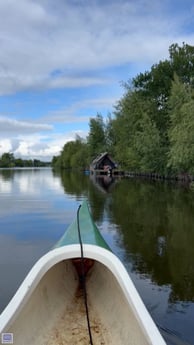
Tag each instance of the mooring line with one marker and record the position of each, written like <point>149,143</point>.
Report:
<point>83,281</point>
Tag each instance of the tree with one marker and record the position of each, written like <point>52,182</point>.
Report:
<point>156,84</point>
<point>125,126</point>
<point>19,162</point>
<point>56,162</point>
<point>96,138</point>
<point>148,146</point>
<point>7,160</point>
<point>79,159</point>
<point>181,109</point>
<point>110,137</point>
<point>182,62</point>
<point>143,115</point>
<point>138,140</point>
<point>152,125</point>
<point>73,155</point>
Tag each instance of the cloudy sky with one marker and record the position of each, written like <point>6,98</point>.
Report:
<point>63,61</point>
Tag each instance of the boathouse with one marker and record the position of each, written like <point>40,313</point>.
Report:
<point>103,164</point>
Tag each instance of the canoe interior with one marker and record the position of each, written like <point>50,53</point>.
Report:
<point>55,312</point>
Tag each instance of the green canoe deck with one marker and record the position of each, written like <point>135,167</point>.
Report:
<point>88,230</point>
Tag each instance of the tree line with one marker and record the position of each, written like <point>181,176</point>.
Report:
<point>152,126</point>
<point>7,160</point>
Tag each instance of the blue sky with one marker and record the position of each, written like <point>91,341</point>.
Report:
<point>63,61</point>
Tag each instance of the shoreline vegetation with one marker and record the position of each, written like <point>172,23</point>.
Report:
<point>7,160</point>
<point>151,129</point>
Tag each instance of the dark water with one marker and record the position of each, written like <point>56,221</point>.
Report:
<point>150,226</point>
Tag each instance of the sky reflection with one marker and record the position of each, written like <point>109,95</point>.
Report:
<point>148,226</point>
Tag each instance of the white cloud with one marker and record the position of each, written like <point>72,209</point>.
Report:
<point>11,126</point>
<point>50,45</point>
<point>25,138</point>
<point>5,146</point>
<point>37,146</point>
<point>39,39</point>
<point>33,149</point>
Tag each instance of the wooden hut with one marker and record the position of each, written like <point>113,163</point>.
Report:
<point>103,164</point>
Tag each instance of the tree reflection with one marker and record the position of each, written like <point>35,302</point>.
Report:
<point>156,222</point>
<point>78,184</point>
<point>6,174</point>
<point>74,183</point>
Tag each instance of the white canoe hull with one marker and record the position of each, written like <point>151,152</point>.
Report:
<point>48,308</point>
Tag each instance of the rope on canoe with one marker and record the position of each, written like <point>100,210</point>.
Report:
<point>83,278</point>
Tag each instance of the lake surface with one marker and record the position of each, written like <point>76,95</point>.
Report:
<point>149,225</point>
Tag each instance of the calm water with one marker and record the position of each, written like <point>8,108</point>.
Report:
<point>150,226</point>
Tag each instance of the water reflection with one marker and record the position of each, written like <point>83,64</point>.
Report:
<point>6,174</point>
<point>150,226</point>
<point>104,183</point>
<point>33,216</point>
<point>26,180</point>
<point>154,236</point>
<point>81,186</point>
<point>156,223</point>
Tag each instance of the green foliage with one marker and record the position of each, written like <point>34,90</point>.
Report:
<point>8,160</point>
<point>56,162</point>
<point>110,137</point>
<point>19,162</point>
<point>181,132</point>
<point>182,62</point>
<point>152,126</point>
<point>74,155</point>
<point>138,144</point>
<point>126,123</point>
<point>97,136</point>
<point>148,147</point>
<point>147,137</point>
